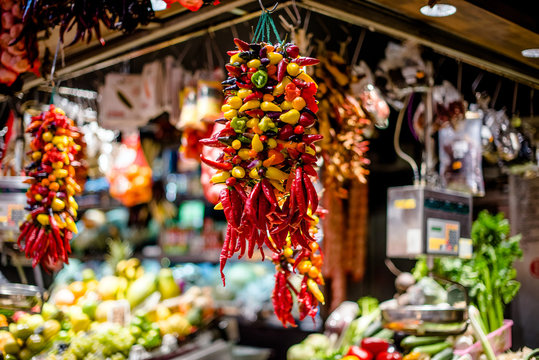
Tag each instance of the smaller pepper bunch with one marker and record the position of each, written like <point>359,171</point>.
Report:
<point>49,227</point>
<point>291,262</point>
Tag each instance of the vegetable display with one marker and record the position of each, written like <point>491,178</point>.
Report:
<point>49,227</point>
<point>268,153</point>
<point>18,50</point>
<point>489,274</point>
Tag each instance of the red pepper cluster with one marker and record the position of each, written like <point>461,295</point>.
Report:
<point>372,349</point>
<point>268,155</point>
<point>49,227</point>
<point>308,264</point>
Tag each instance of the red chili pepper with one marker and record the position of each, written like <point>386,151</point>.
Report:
<point>311,191</point>
<point>244,86</point>
<point>233,52</point>
<point>299,83</point>
<point>281,70</point>
<point>311,138</point>
<point>244,68</point>
<point>241,45</point>
<point>361,353</point>
<point>257,113</point>
<point>306,120</point>
<point>231,181</point>
<point>212,143</point>
<point>389,356</point>
<point>252,96</point>
<point>298,130</point>
<point>374,345</point>
<point>308,159</point>
<point>305,61</point>
<point>229,150</point>
<point>215,164</point>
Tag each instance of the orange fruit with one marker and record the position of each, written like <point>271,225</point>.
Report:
<point>77,288</point>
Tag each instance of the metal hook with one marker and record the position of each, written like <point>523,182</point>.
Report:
<point>266,10</point>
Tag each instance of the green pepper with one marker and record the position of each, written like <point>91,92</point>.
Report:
<point>260,78</point>
<point>238,124</point>
<point>265,124</point>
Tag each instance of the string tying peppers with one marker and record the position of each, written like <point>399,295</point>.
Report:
<point>268,155</point>
<point>50,224</point>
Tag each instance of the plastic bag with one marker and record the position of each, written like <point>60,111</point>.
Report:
<point>371,99</point>
<point>130,177</point>
<point>504,136</point>
<point>209,100</point>
<point>460,157</point>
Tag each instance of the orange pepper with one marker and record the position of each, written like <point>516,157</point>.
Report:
<point>52,178</point>
<point>54,186</point>
<point>269,161</point>
<point>269,48</point>
<point>48,147</point>
<point>279,157</point>
<point>271,69</point>
<point>253,153</point>
<point>45,182</point>
<point>257,130</point>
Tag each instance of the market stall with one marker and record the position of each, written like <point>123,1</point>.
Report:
<point>203,180</point>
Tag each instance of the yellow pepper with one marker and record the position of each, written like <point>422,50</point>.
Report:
<point>219,206</point>
<point>293,69</point>
<point>236,144</point>
<point>414,355</point>
<point>277,184</point>
<point>234,102</point>
<point>58,165</point>
<point>243,93</point>
<point>272,143</point>
<point>70,225</point>
<point>313,288</point>
<point>225,108</point>
<point>290,117</point>
<point>238,172</point>
<point>36,155</point>
<point>255,63</point>
<point>59,221</point>
<point>58,205</point>
<point>60,173</point>
<point>43,219</point>
<point>273,173</point>
<point>280,87</point>
<point>251,123</point>
<point>256,144</point>
<point>286,105</point>
<point>244,154</point>
<point>220,177</point>
<point>47,136</point>
<point>253,174</point>
<point>236,59</point>
<point>309,150</point>
<point>274,58</point>
<point>60,140</point>
<point>72,202</point>
<point>269,106</point>
<point>230,114</point>
<point>38,197</point>
<point>249,105</point>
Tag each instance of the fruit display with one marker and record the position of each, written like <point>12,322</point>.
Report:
<point>268,153</point>
<point>49,227</point>
<point>89,318</point>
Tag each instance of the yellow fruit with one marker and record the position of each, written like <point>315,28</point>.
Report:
<point>162,313</point>
<point>108,287</point>
<point>293,69</point>
<point>58,205</point>
<point>78,288</point>
<point>64,297</point>
<point>238,172</point>
<point>47,136</point>
<point>50,329</point>
<point>79,322</point>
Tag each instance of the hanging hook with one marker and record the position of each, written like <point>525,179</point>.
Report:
<point>266,10</point>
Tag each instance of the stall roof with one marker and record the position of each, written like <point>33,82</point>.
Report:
<point>487,34</point>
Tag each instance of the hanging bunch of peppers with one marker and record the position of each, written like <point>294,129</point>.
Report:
<point>308,264</point>
<point>268,155</point>
<point>193,5</point>
<point>49,227</point>
<point>343,123</point>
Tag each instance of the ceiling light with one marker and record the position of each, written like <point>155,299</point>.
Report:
<point>530,53</point>
<point>158,5</point>
<point>438,10</point>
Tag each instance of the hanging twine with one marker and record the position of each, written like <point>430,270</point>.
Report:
<point>265,27</point>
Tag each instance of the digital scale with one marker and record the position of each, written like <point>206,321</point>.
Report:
<point>424,220</point>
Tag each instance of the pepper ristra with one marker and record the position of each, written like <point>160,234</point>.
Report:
<point>50,224</point>
<point>268,157</point>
